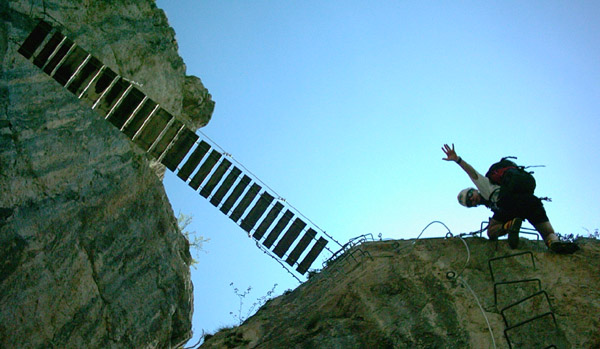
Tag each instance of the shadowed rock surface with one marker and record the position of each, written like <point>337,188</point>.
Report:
<point>90,252</point>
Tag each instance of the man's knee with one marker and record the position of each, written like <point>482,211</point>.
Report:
<point>494,229</point>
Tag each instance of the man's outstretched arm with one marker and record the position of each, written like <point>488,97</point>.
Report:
<point>451,156</point>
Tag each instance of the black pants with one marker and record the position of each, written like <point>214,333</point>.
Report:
<point>524,206</point>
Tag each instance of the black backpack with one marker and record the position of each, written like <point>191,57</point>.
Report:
<point>511,177</point>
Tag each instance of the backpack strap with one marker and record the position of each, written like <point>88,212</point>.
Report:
<point>531,166</point>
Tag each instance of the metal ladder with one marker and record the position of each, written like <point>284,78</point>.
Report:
<point>533,301</point>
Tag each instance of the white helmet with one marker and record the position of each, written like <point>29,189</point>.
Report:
<point>464,195</point>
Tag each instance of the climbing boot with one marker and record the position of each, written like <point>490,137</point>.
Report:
<point>563,247</point>
<point>513,227</point>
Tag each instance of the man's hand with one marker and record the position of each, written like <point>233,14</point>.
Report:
<point>450,153</point>
<point>451,156</point>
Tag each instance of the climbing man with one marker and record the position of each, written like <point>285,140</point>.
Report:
<point>510,206</point>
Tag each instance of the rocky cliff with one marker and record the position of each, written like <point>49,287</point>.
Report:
<point>435,293</point>
<point>91,256</point>
<point>90,252</point>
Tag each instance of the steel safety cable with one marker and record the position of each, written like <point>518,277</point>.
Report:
<point>480,308</point>
<point>452,275</point>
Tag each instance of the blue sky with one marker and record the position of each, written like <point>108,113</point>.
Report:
<point>342,108</point>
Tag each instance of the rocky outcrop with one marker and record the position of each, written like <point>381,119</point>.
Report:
<point>90,252</point>
<point>426,294</point>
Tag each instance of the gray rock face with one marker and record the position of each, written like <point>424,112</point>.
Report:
<point>90,252</point>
